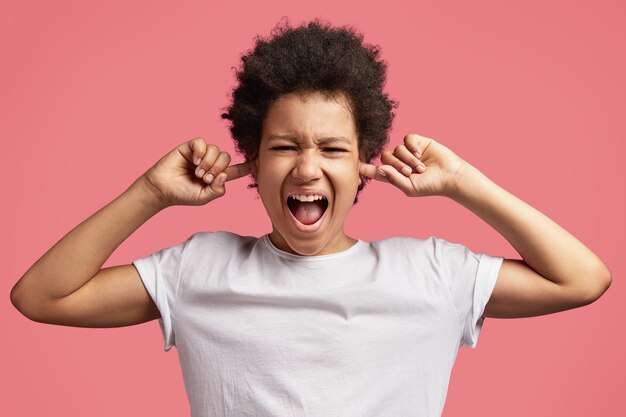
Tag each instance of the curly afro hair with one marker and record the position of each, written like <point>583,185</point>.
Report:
<point>313,57</point>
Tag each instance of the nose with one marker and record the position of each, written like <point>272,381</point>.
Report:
<point>307,167</point>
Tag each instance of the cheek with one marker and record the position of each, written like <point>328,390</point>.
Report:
<point>347,166</point>
<point>269,177</point>
<point>346,179</point>
<point>348,173</point>
<point>265,170</point>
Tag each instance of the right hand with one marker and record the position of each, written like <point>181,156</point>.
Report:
<point>178,177</point>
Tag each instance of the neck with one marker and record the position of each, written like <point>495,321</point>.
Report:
<point>339,243</point>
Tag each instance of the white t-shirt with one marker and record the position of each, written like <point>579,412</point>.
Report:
<point>370,331</point>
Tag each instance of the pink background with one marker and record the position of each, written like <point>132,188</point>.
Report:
<point>533,94</point>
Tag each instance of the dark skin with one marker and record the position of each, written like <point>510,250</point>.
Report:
<point>68,285</point>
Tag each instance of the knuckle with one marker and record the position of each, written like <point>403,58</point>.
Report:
<point>414,141</point>
<point>197,148</point>
<point>198,143</point>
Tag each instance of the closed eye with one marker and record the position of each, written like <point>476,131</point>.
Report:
<point>333,150</point>
<point>283,148</point>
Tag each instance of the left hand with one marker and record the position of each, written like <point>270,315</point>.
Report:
<point>401,169</point>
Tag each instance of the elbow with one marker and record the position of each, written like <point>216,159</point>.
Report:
<point>15,300</point>
<point>605,278</point>
<point>602,279</point>
<point>27,308</point>
<point>18,303</point>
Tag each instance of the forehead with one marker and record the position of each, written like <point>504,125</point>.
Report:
<point>313,115</point>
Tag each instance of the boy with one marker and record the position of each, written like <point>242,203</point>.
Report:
<point>307,320</point>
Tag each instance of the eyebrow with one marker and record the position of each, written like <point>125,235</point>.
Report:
<point>326,140</point>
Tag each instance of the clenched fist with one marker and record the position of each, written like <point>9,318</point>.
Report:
<point>192,174</point>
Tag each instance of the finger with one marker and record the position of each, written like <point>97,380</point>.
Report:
<point>371,171</point>
<point>195,151</point>
<point>203,170</point>
<point>214,190</point>
<point>221,162</point>
<point>390,159</point>
<point>218,184</point>
<point>417,144</point>
<point>396,178</point>
<point>238,170</point>
<point>409,158</point>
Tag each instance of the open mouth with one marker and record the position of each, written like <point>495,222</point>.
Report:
<point>307,209</point>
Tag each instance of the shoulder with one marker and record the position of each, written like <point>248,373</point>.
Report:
<point>220,237</point>
<point>219,242</point>
<point>210,248</point>
<point>410,248</point>
<point>431,247</point>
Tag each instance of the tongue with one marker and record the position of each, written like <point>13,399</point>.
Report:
<point>308,213</point>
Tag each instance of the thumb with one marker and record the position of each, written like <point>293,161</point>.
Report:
<point>218,183</point>
<point>214,190</point>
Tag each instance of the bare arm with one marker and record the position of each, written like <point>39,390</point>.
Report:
<point>80,254</point>
<point>558,272</point>
<point>68,286</point>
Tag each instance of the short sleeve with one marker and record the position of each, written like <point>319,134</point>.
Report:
<point>160,273</point>
<point>471,278</point>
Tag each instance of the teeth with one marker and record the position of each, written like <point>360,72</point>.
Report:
<point>306,198</point>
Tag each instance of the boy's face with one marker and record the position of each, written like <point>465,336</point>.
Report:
<point>308,148</point>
